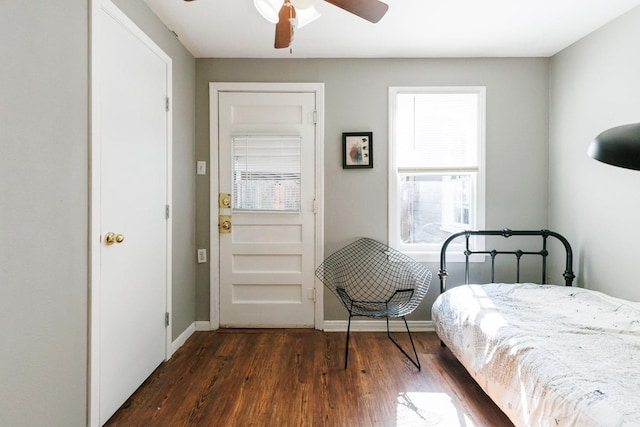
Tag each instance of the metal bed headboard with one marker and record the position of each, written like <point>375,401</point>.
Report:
<point>568,272</point>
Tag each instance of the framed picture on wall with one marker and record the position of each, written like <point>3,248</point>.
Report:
<point>357,150</point>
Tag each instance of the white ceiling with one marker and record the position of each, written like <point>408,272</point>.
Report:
<point>411,28</point>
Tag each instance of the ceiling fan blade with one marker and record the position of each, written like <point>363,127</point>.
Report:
<point>285,25</point>
<point>371,10</point>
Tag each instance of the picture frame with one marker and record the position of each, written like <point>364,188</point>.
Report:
<point>357,150</point>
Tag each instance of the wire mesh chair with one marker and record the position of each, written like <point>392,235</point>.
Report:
<point>373,280</point>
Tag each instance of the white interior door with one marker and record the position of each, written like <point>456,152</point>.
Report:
<point>134,143</point>
<point>266,163</point>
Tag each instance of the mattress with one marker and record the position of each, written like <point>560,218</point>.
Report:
<point>547,355</point>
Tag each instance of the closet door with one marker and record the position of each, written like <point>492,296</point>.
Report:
<point>131,280</point>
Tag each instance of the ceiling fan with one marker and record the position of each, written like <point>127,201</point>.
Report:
<point>288,15</point>
<point>370,10</point>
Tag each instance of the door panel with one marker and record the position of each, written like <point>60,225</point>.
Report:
<point>133,194</point>
<point>267,261</point>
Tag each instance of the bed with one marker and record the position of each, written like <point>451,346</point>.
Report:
<point>546,354</point>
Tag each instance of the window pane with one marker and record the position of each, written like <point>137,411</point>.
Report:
<point>266,173</point>
<point>437,129</point>
<point>433,206</point>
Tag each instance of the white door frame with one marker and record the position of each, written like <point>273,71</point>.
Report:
<point>98,7</point>
<point>214,90</point>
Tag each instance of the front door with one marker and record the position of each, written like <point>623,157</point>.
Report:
<point>266,164</point>
<point>132,148</point>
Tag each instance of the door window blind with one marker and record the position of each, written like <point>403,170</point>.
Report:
<point>266,173</point>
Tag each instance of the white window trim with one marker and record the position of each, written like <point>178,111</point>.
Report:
<point>393,206</point>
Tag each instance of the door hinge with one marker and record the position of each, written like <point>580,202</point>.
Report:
<point>166,318</point>
<point>167,104</point>
<point>315,117</point>
<point>311,294</point>
<point>167,211</point>
<point>315,206</point>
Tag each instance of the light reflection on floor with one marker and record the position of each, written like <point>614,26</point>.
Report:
<point>429,409</point>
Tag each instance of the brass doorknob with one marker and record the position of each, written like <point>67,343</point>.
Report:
<point>110,238</point>
<point>224,224</point>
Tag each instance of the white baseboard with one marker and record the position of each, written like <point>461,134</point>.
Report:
<point>377,326</point>
<point>182,338</point>
<point>203,325</point>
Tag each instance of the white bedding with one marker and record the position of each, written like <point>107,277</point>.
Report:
<point>547,355</point>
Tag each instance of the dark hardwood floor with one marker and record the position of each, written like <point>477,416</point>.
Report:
<point>296,377</point>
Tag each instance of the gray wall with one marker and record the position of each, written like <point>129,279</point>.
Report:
<point>43,219</point>
<point>356,99</point>
<point>44,110</point>
<point>595,85</point>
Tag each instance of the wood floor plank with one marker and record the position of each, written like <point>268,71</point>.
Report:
<point>296,377</point>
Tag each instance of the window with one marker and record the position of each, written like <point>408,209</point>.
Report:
<point>436,156</point>
<point>266,173</point>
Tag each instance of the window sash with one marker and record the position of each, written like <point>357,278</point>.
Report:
<point>402,166</point>
<point>433,206</point>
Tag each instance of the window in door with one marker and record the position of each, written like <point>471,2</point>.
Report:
<point>436,166</point>
<point>266,173</point>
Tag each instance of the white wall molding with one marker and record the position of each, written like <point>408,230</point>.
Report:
<point>202,325</point>
<point>377,326</point>
<point>182,338</point>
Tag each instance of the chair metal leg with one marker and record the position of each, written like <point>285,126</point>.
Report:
<point>415,362</point>
<point>346,349</point>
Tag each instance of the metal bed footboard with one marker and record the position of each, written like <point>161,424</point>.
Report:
<point>544,234</point>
